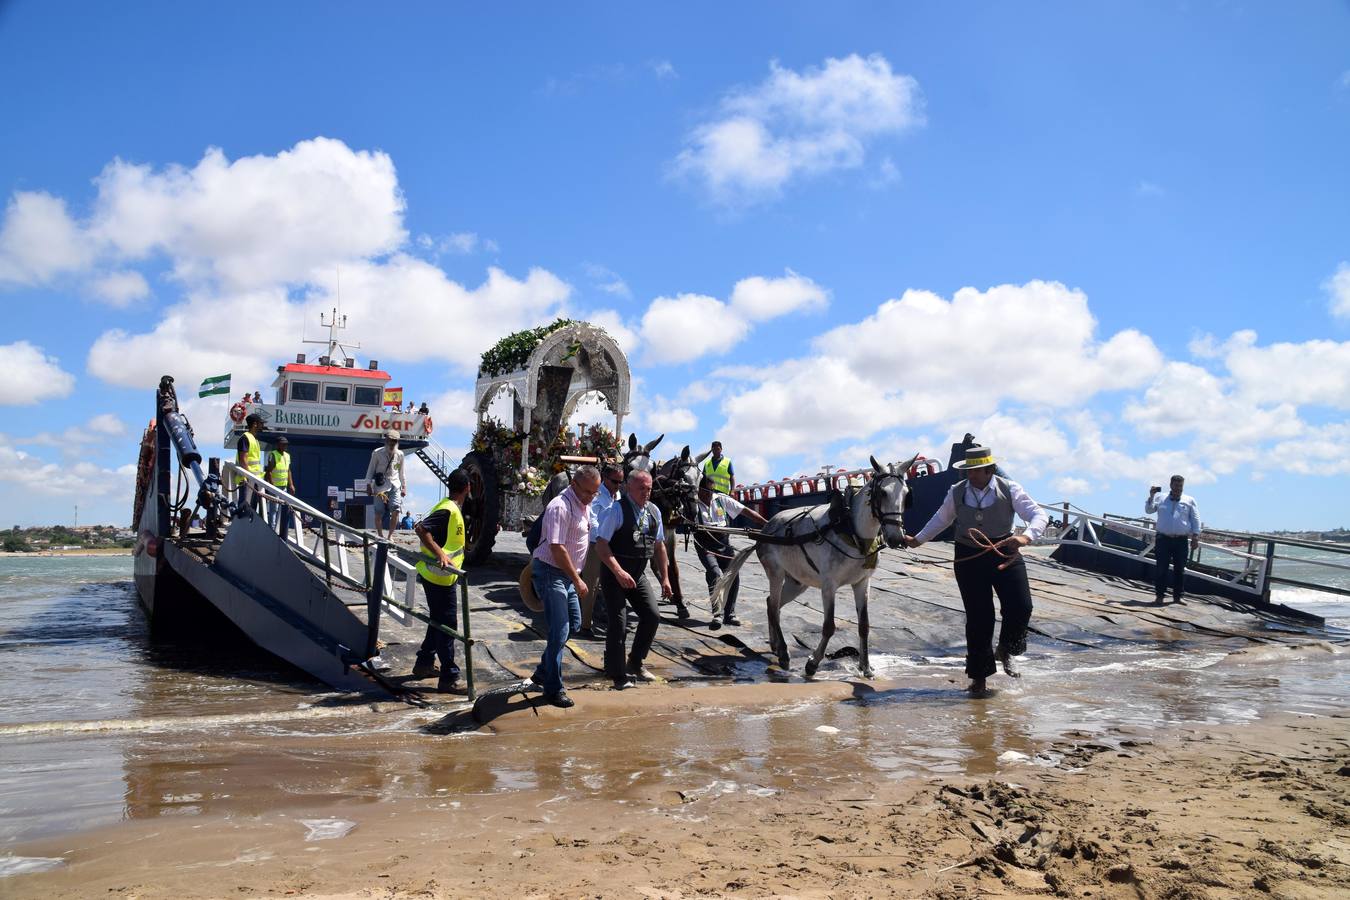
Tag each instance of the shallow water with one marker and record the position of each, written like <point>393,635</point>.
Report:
<point>100,725</point>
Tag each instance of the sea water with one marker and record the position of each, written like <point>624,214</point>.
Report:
<point>100,724</point>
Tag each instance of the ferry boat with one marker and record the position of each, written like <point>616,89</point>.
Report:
<point>314,587</point>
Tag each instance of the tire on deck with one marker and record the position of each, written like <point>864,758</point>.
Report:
<point>482,508</point>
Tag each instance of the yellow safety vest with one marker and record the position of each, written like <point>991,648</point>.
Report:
<point>281,468</point>
<point>252,457</point>
<point>428,567</point>
<point>720,474</point>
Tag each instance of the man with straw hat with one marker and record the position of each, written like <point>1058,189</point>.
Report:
<point>987,561</point>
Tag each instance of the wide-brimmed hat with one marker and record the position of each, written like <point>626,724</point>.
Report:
<point>976,458</point>
<point>527,594</point>
<point>392,434</point>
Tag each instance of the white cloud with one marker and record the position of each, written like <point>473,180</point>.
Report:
<point>402,306</point>
<point>886,176</point>
<point>662,68</point>
<point>453,409</point>
<point>39,240</point>
<point>42,479</point>
<point>683,328</point>
<point>258,220</point>
<point>120,289</point>
<point>1188,399</point>
<point>29,376</point>
<point>759,298</point>
<point>102,429</point>
<point>614,325</point>
<point>798,124</point>
<point>1321,451</point>
<point>668,419</point>
<point>920,347</point>
<point>1070,487</point>
<point>607,281</point>
<point>1338,291</point>
<point>460,243</point>
<point>1030,446</point>
<point>1312,372</point>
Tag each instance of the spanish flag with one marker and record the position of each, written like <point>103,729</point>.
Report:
<point>393,396</point>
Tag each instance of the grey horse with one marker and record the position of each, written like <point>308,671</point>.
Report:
<point>803,549</point>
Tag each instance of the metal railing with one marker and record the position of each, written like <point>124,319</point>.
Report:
<point>333,547</point>
<point>1077,527</point>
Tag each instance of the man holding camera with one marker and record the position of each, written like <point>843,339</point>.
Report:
<point>386,483</point>
<point>1178,526</point>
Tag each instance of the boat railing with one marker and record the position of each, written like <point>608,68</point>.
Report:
<point>1249,571</point>
<point>387,573</point>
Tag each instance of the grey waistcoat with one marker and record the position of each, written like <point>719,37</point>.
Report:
<point>995,520</point>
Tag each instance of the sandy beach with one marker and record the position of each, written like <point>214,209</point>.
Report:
<point>1261,809</point>
<point>1198,750</point>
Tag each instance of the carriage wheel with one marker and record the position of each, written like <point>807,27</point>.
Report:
<point>482,508</point>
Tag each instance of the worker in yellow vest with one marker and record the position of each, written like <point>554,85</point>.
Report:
<point>442,536</point>
<point>249,456</point>
<point>718,468</point>
<point>279,474</point>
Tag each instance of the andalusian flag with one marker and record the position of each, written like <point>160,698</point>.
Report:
<point>216,384</point>
<point>393,396</point>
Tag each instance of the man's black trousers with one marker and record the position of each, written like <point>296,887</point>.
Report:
<point>643,598</point>
<point>441,602</point>
<point>979,578</point>
<point>1170,551</point>
<point>716,553</point>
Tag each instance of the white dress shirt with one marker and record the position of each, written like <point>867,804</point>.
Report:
<point>1176,518</point>
<point>1035,517</point>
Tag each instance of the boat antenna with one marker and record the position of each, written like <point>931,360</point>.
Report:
<point>335,321</point>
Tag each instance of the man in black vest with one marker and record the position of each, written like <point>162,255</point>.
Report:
<point>987,561</point>
<point>631,537</point>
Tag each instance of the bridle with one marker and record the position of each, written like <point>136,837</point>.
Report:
<point>669,483</point>
<point>875,499</point>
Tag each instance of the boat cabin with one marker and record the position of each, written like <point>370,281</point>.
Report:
<point>334,417</point>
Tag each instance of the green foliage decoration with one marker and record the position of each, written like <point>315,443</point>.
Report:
<point>513,351</point>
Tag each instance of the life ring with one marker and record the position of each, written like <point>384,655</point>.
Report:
<point>237,412</point>
<point>428,425</point>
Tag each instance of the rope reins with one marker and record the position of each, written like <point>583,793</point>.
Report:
<point>989,545</point>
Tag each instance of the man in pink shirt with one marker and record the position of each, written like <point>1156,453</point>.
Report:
<point>555,570</point>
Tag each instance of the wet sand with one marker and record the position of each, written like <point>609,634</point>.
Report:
<point>1260,809</point>
<point>1192,751</point>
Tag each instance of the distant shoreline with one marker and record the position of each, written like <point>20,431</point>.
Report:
<point>114,551</point>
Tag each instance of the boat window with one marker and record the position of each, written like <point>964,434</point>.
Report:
<point>307,391</point>
<point>336,393</point>
<point>367,396</point>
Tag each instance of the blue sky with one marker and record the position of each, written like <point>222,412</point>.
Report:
<point>1110,239</point>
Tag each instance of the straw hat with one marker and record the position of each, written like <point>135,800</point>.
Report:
<point>532,601</point>
<point>976,458</point>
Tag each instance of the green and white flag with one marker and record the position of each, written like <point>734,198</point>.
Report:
<point>216,384</point>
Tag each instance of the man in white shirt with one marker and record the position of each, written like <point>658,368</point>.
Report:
<point>1178,524</point>
<point>385,482</point>
<point>715,550</point>
<point>987,561</point>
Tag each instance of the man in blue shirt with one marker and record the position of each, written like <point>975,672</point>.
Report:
<point>611,488</point>
<point>1178,525</point>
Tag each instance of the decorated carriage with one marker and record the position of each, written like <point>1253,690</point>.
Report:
<point>547,372</point>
